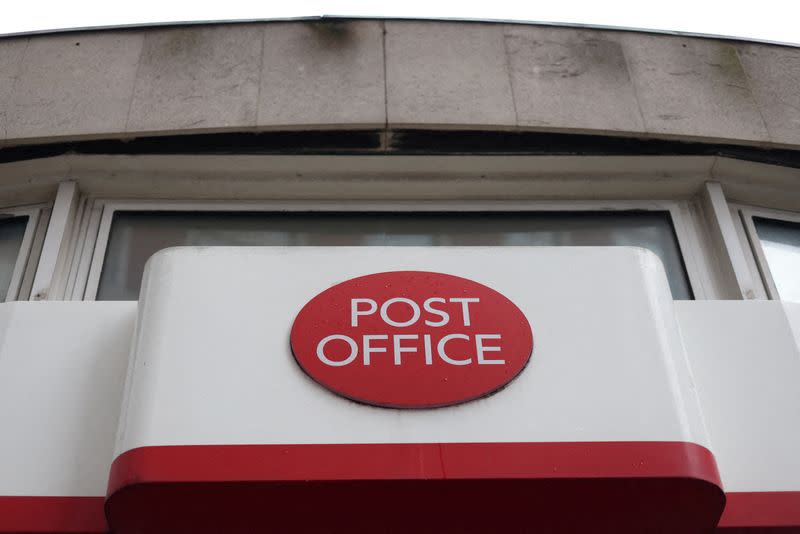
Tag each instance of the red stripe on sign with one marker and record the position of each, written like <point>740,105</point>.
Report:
<point>452,487</point>
<point>756,510</point>
<point>52,514</point>
<point>403,461</point>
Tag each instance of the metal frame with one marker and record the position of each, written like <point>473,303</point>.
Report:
<point>697,190</point>
<point>55,245</point>
<point>25,266</point>
<point>96,221</point>
<point>722,225</point>
<point>746,214</point>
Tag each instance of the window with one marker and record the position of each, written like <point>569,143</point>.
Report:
<point>128,237</point>
<point>18,227</point>
<point>775,240</point>
<point>12,230</point>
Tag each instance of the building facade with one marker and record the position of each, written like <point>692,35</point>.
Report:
<point>176,199</point>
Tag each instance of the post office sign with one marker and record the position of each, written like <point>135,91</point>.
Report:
<point>411,339</point>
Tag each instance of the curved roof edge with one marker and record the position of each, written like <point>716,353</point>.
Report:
<point>602,27</point>
<point>402,142</point>
<point>392,75</point>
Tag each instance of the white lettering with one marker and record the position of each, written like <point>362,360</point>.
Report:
<point>355,312</point>
<point>481,349</point>
<point>333,363</point>
<point>465,302</point>
<point>443,354</point>
<point>414,308</point>
<point>441,313</point>
<point>399,350</point>
<point>428,351</point>
<point>369,349</point>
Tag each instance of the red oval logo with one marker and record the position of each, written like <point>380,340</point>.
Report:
<point>411,339</point>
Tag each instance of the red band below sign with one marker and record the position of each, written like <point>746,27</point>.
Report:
<point>619,487</point>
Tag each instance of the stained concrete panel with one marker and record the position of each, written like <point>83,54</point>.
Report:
<point>74,84</point>
<point>692,87</point>
<point>774,76</point>
<point>447,74</point>
<point>424,74</point>
<point>201,77</point>
<point>323,74</point>
<point>11,52</point>
<point>563,78</point>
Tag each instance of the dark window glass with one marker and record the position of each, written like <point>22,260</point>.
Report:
<point>135,235</point>
<point>12,230</point>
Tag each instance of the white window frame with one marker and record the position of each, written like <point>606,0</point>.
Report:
<point>759,264</point>
<point>96,221</point>
<point>27,258</point>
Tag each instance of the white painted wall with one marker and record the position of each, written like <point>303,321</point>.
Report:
<point>212,365</point>
<point>745,358</point>
<point>62,368</point>
<point>212,362</point>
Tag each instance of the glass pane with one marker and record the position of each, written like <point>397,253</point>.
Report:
<point>12,230</point>
<point>135,236</point>
<point>781,243</point>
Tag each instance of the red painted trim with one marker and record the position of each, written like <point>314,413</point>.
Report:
<point>52,514</point>
<point>403,461</point>
<point>762,509</point>
<point>620,487</point>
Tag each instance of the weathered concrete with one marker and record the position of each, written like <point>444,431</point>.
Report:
<point>692,88</point>
<point>197,78</point>
<point>571,79</point>
<point>74,84</point>
<point>328,75</point>
<point>773,74</point>
<point>11,52</point>
<point>447,74</point>
<point>396,74</point>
